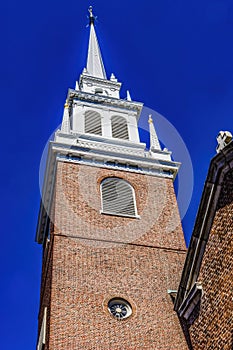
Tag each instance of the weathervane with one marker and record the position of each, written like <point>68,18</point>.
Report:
<point>91,16</point>
<point>150,120</point>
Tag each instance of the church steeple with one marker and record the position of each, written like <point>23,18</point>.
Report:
<point>95,111</point>
<point>95,66</point>
<point>93,78</point>
<point>108,210</point>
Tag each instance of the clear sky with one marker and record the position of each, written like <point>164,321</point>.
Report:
<point>175,56</point>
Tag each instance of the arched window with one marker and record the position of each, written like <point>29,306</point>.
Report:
<point>118,197</point>
<point>93,123</point>
<point>119,128</point>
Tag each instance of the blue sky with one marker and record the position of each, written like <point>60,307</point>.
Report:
<point>175,56</point>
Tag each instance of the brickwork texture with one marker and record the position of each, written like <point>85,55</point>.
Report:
<point>93,257</point>
<point>214,327</point>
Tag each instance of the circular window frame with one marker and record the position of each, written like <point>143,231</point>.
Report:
<point>119,308</point>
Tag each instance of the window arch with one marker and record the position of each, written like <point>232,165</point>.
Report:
<point>93,123</point>
<point>120,128</point>
<point>118,197</point>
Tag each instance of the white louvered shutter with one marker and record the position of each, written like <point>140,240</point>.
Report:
<point>119,128</point>
<point>93,123</point>
<point>118,197</point>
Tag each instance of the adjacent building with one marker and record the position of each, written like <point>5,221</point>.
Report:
<point>204,302</point>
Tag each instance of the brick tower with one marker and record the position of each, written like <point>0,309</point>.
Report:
<point>113,246</point>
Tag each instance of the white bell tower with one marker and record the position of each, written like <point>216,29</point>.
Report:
<point>97,119</point>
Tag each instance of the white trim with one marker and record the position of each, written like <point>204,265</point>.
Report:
<point>126,216</point>
<point>105,101</point>
<point>42,337</point>
<point>123,164</point>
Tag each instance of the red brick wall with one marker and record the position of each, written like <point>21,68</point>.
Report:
<point>97,257</point>
<point>78,205</point>
<point>214,327</point>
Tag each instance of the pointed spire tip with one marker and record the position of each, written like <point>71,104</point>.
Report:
<point>150,120</point>
<point>95,66</point>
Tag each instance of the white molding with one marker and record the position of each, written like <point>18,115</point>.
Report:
<point>109,144</point>
<point>42,337</point>
<point>85,77</point>
<point>169,173</point>
<point>123,215</point>
<point>104,100</point>
<point>99,147</point>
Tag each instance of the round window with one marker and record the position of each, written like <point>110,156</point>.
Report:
<point>119,308</point>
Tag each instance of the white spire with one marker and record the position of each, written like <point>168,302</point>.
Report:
<point>77,86</point>
<point>154,141</point>
<point>95,66</point>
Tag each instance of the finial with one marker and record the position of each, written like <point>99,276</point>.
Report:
<point>66,105</point>
<point>128,96</point>
<point>223,138</point>
<point>91,16</point>
<point>150,120</point>
<point>154,141</point>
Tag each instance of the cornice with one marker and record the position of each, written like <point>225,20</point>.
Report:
<point>124,162</point>
<point>119,150</point>
<point>104,100</point>
<point>99,81</point>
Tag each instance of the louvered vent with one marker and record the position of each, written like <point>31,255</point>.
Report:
<point>119,128</point>
<point>118,197</point>
<point>93,123</point>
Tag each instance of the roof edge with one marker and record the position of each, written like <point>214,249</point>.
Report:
<point>219,166</point>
